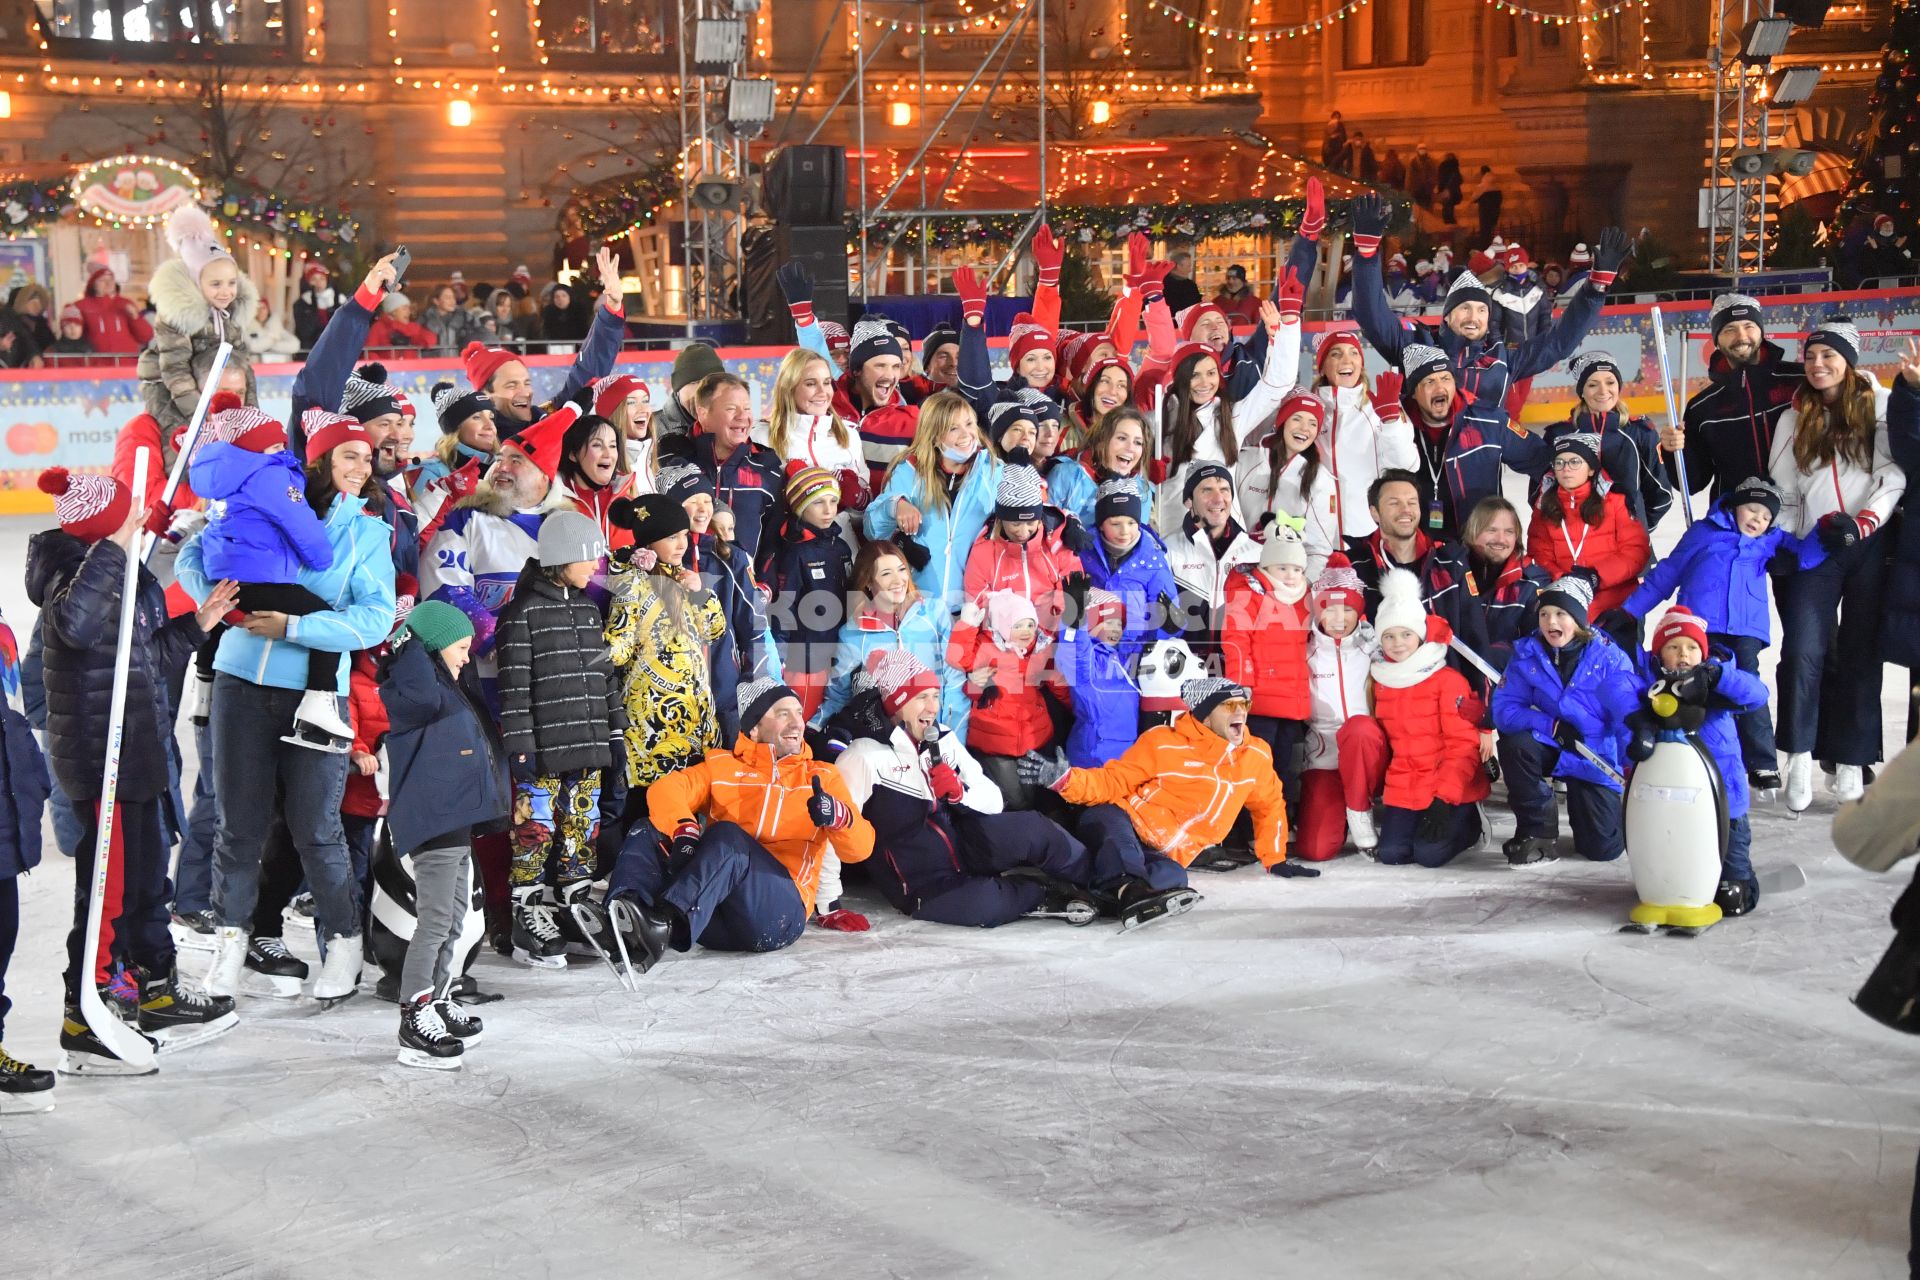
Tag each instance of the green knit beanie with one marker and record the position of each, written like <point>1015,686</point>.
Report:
<point>437,624</point>
<point>695,361</point>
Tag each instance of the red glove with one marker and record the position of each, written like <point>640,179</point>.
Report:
<point>1048,250</point>
<point>945,783</point>
<point>973,296</point>
<point>1152,283</point>
<point>1386,396</point>
<point>159,517</point>
<point>853,490</point>
<point>1138,247</point>
<point>841,920</point>
<point>1293,297</point>
<point>1314,220</point>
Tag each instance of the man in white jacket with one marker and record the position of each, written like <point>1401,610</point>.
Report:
<point>1204,549</point>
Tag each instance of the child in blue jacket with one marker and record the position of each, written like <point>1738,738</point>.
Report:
<point>1565,688</point>
<point>1093,657</point>
<point>261,533</point>
<point>1706,679</point>
<point>1720,568</point>
<point>1129,560</point>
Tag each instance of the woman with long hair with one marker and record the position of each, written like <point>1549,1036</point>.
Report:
<point>1580,520</point>
<point>1116,449</point>
<point>887,610</point>
<point>1366,430</point>
<point>803,427</point>
<point>1838,482</point>
<point>1107,386</point>
<point>1285,474</point>
<point>590,474</point>
<point>937,497</point>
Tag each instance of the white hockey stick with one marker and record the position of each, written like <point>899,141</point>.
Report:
<point>1493,677</point>
<point>190,439</point>
<point>1673,408</point>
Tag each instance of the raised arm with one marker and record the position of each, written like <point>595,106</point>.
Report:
<point>602,347</point>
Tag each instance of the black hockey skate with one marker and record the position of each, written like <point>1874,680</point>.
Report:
<point>1524,851</point>
<point>1135,903</point>
<point>176,1018</point>
<point>537,942</point>
<point>462,1025</point>
<point>425,1041</point>
<point>582,921</point>
<point>277,971</point>
<point>641,935</point>
<point>83,1054</point>
<point>194,931</point>
<point>1737,897</point>
<point>24,1088</point>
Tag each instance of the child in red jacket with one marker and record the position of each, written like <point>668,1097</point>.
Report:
<point>1018,553</point>
<point>1579,521</point>
<point>1263,643</point>
<point>1008,659</point>
<point>1434,782</point>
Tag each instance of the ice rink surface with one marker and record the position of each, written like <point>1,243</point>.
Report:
<point>1383,1072</point>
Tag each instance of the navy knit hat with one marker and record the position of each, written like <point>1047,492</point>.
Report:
<point>651,517</point>
<point>1572,592</point>
<point>1588,363</point>
<point>1020,494</point>
<point>1204,471</point>
<point>367,395</point>
<point>1418,361</point>
<point>1584,445</point>
<point>1117,498</point>
<point>1839,333</point>
<point>1731,307</point>
<point>452,406</point>
<point>684,481</point>
<point>872,338</point>
<point>1466,287</point>
<point>1205,694</point>
<point>1755,490</point>
<point>756,698</point>
<point>943,335</point>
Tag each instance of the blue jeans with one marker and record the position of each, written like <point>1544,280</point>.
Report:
<point>258,778</point>
<point>731,895</point>
<point>1755,727</point>
<point>193,874</point>
<point>1829,673</point>
<point>1399,843</point>
<point>1594,811</point>
<point>1107,831</point>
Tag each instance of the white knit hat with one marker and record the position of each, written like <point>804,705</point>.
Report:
<point>1400,603</point>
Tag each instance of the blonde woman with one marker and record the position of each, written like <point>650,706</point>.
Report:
<point>803,428</point>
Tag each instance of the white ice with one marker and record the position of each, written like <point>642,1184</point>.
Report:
<point>1383,1072</point>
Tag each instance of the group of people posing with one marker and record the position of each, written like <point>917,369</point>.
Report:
<point>1033,644</point>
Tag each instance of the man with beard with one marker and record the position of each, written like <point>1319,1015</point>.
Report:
<point>507,381</point>
<point>1203,551</point>
<point>870,395</point>
<point>377,407</point>
<point>1729,424</point>
<point>1484,365</point>
<point>1485,587</point>
<point>1395,500</point>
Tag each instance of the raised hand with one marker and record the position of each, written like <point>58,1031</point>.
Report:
<point>1910,364</point>
<point>1369,224</point>
<point>1313,220</point>
<point>796,284</point>
<point>973,296</point>
<point>1386,396</point>
<point>1612,249</point>
<point>1293,297</point>
<point>1139,249</point>
<point>1048,251</point>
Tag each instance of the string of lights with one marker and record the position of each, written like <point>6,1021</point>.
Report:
<point>1245,35</point>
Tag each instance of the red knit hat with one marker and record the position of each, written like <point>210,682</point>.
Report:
<point>1028,335</point>
<point>94,272</point>
<point>1099,367</point>
<point>610,392</point>
<point>483,362</point>
<point>326,431</point>
<point>88,507</point>
<point>1339,584</point>
<point>1301,400</point>
<point>1187,349</point>
<point>1681,621</point>
<point>72,314</point>
<point>1102,605</point>
<point>1194,314</point>
<point>313,269</point>
<point>1331,342</point>
<point>541,441</point>
<point>900,677</point>
<point>230,419</point>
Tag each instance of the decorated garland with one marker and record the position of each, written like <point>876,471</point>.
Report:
<point>610,209</point>
<point>319,232</point>
<point>1088,223</point>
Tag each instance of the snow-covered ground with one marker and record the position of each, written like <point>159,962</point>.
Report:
<point>1383,1072</point>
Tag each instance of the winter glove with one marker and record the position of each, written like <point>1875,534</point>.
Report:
<point>918,557</point>
<point>1695,687</point>
<point>1313,219</point>
<point>853,490</point>
<point>1783,562</point>
<point>945,783</point>
<point>1153,288</point>
<point>841,920</point>
<point>1048,250</point>
<point>1621,627</point>
<point>1138,247</point>
<point>1640,740</point>
<point>1369,224</point>
<point>1292,871</point>
<point>1435,821</point>
<point>1291,297</point>
<point>1074,592</point>
<point>973,296</point>
<point>1567,735</point>
<point>796,282</point>
<point>1386,396</point>
<point>522,768</point>
<point>1075,538</point>
<point>825,811</point>
<point>990,695</point>
<point>1837,531</point>
<point>685,839</point>
<point>1690,717</point>
<point>1609,252</point>
<point>1037,770</point>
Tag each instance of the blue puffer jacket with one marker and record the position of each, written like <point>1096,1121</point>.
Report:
<point>259,526</point>
<point>447,771</point>
<point>1106,698</point>
<point>359,586</point>
<point>1900,637</point>
<point>1604,691</point>
<point>746,650</point>
<point>1737,691</point>
<point>1143,580</point>
<point>1073,489</point>
<point>23,770</point>
<point>947,533</point>
<point>922,631</point>
<point>1721,574</point>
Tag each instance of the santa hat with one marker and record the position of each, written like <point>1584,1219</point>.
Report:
<point>88,507</point>
<point>1333,341</point>
<point>192,236</point>
<point>1883,225</point>
<point>805,484</point>
<point>1194,314</point>
<point>483,362</point>
<point>1027,336</point>
<point>326,431</point>
<point>1339,584</point>
<point>610,392</point>
<point>541,441</point>
<point>1680,621</point>
<point>232,420</point>
<point>900,677</point>
<point>1400,604</point>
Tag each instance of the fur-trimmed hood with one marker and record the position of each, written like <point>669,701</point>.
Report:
<point>179,304</point>
<point>490,501</point>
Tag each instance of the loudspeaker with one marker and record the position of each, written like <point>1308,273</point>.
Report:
<point>807,185</point>
<point>824,250</point>
<point>768,322</point>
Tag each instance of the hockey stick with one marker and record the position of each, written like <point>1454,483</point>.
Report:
<point>122,1041</point>
<point>1673,409</point>
<point>190,439</point>
<point>1493,677</point>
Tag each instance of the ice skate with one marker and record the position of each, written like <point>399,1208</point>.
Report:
<point>121,994</point>
<point>194,931</point>
<point>229,961</point>
<point>425,1041</point>
<point>317,725</point>
<point>462,1025</point>
<point>1069,904</point>
<point>581,921</point>
<point>1847,784</point>
<point>24,1088</point>
<point>1799,781</point>
<point>176,1018</point>
<point>1764,783</point>
<point>272,970</point>
<point>339,972</point>
<point>1134,902</point>
<point>1523,851</point>
<point>640,935</point>
<point>1737,897</point>
<point>536,938</point>
<point>1360,831</point>
<point>197,697</point>
<point>82,1053</point>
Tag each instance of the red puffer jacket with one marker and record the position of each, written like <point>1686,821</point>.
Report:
<point>1616,548</point>
<point>1432,727</point>
<point>1033,570</point>
<point>1015,721</point>
<point>1264,643</point>
<point>369,717</point>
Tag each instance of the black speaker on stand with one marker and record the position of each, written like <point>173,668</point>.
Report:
<point>806,186</point>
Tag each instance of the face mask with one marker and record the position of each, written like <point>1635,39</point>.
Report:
<point>959,456</point>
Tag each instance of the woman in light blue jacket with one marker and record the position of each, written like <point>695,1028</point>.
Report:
<point>260,674</point>
<point>887,611</point>
<point>938,497</point>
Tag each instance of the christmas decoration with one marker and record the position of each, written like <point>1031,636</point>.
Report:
<point>1886,166</point>
<point>1109,222</point>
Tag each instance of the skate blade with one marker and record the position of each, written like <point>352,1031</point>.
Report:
<point>185,939</point>
<point>330,746</point>
<point>174,1039</point>
<point>1178,903</point>
<point>271,986</point>
<point>607,959</point>
<point>36,1103</point>
<point>425,1061</point>
<point>89,1064</point>
<point>1683,930</point>
<point>328,1002</point>
<point>1635,927</point>
<point>532,961</point>
<point>1084,916</point>
<point>625,970</point>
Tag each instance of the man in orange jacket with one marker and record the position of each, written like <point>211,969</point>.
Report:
<point>745,883</point>
<point>1174,794</point>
